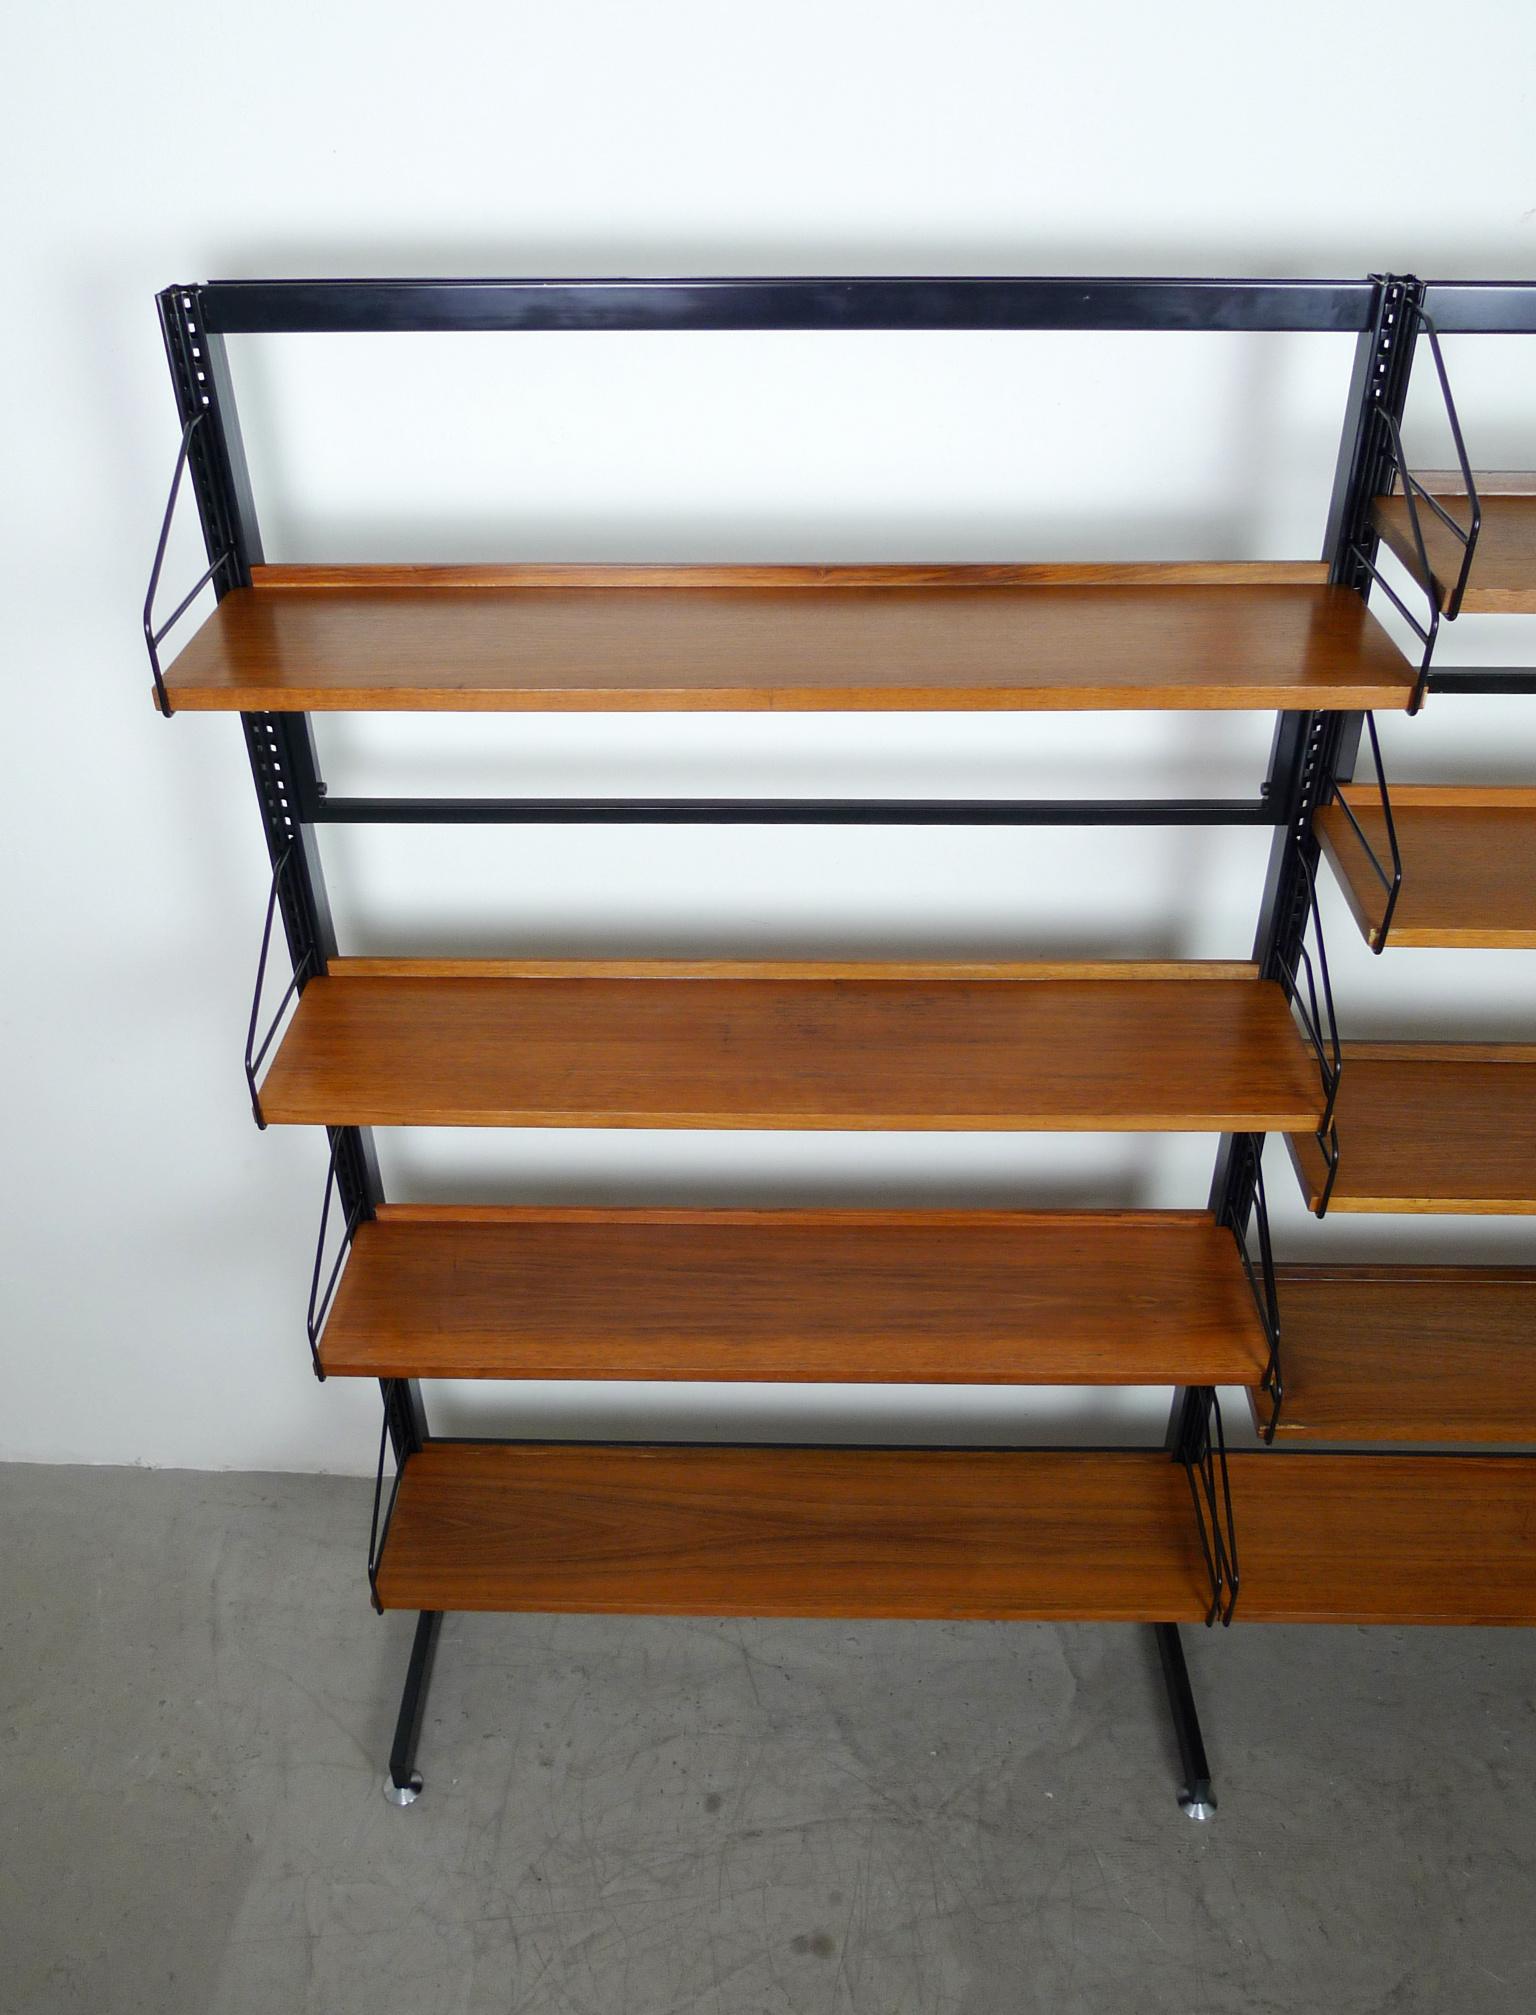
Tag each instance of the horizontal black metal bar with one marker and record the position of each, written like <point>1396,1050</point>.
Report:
<point>1491,680</point>
<point>1482,307</point>
<point>798,811</point>
<point>243,307</point>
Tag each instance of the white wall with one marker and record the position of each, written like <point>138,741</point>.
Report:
<point>156,1247</point>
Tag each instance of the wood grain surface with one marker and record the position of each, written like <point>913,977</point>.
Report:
<point>1392,1539</point>
<point>1194,1054</point>
<point>1503,577</point>
<point>723,1531</point>
<point>1408,1353</point>
<point>943,1297</point>
<point>798,648</point>
<point>1093,1535</point>
<point>1440,1128</point>
<point>1469,865</point>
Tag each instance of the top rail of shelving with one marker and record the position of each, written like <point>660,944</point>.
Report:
<point>249,307</point>
<point>1481,307</point>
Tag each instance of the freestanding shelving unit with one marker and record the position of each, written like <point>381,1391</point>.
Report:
<point>1190,1300</point>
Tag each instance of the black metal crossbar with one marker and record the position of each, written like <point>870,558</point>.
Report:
<point>295,307</point>
<point>328,810</point>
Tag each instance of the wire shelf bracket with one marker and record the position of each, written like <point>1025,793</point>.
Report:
<point>1394,461</point>
<point>1200,1446</point>
<point>155,635</point>
<point>1245,1213</point>
<point>306,967</point>
<point>1389,872</point>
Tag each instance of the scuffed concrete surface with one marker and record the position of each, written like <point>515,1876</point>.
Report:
<point>646,1816</point>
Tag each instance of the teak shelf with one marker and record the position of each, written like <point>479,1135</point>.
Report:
<point>1188,1300</point>
<point>729,640</point>
<point>1445,1128</point>
<point>1469,864</point>
<point>857,1297</point>
<point>1058,1047</point>
<point>1409,1353</point>
<point>1502,580</point>
<point>1101,1535</point>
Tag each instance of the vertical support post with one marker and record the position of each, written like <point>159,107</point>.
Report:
<point>1196,1798</point>
<point>286,771</point>
<point>1379,381</point>
<point>1311,750</point>
<point>281,747</point>
<point>406,1421</point>
<point>403,1785</point>
<point>1195,1795</point>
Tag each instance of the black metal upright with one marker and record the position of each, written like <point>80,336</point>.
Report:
<point>280,746</point>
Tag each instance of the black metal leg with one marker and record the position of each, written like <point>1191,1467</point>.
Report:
<point>1195,1798</point>
<point>404,1785</point>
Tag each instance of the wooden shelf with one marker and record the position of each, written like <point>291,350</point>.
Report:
<point>1469,864</point>
<point>1095,1535</point>
<point>1193,1047</point>
<point>721,1531</point>
<point>788,639</point>
<point>876,1297</point>
<point>1503,577</point>
<point>1393,1539</point>
<point>1432,1127</point>
<point>1408,1353</point>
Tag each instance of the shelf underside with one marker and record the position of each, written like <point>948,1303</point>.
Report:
<point>891,1297</point>
<point>1201,1048</point>
<point>1405,1353</point>
<point>1091,1535</point>
<point>1469,864</point>
<point>1432,1127</point>
<point>1503,576</point>
<point>787,639</point>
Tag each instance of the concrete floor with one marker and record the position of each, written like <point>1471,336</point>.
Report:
<point>732,1818</point>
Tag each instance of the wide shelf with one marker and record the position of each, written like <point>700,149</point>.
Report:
<point>1503,576</point>
<point>1469,864</point>
<point>1135,1047</point>
<point>744,639</point>
<point>719,1531</point>
<point>1408,1353</point>
<point>856,1297</point>
<point>1018,1533</point>
<point>1431,1128</point>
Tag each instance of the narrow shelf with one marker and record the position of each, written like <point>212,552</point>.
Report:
<point>1469,864</point>
<point>1092,1535</point>
<point>856,1297</point>
<point>1408,1353</point>
<point>1503,576</point>
<point>1139,1047</point>
<point>1431,1128</point>
<point>788,639</point>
